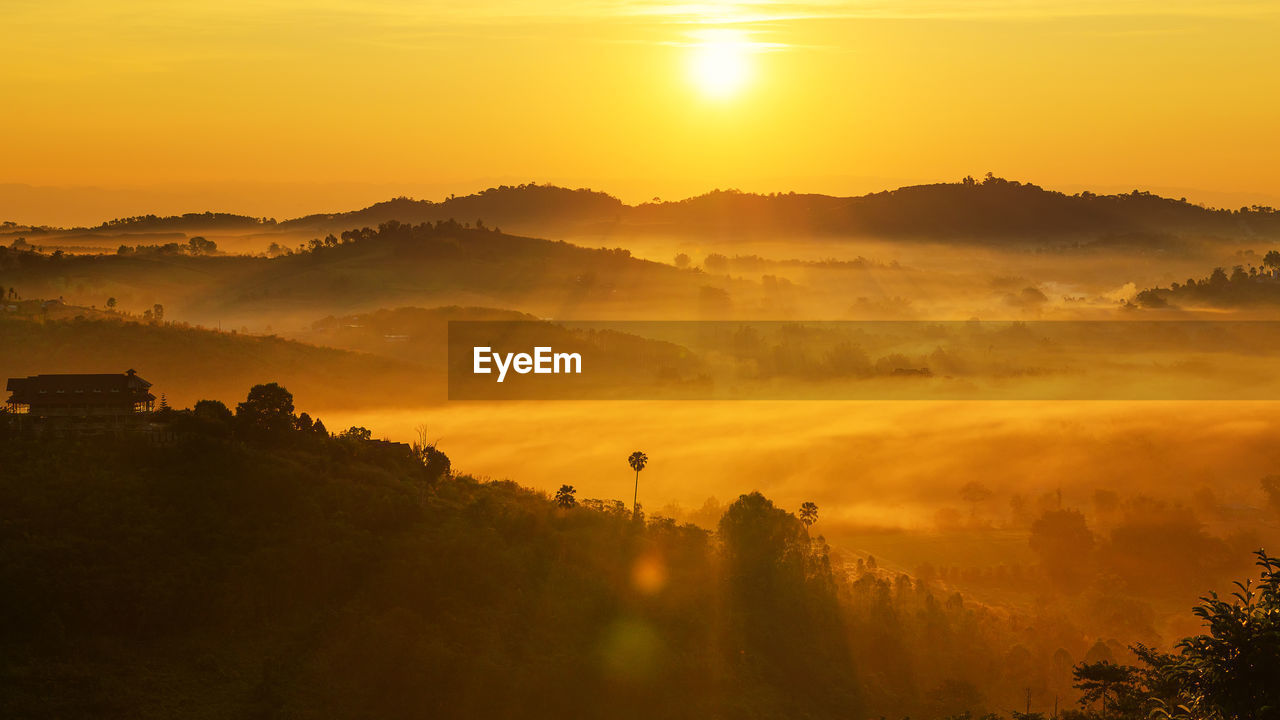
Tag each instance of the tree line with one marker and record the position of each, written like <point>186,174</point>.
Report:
<point>263,565</point>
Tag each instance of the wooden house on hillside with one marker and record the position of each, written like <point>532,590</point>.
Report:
<point>106,395</point>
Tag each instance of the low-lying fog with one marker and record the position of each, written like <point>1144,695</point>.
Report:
<point>974,494</point>
<point>1171,491</point>
<point>867,464</point>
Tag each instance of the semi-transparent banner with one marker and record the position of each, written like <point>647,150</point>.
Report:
<point>864,360</point>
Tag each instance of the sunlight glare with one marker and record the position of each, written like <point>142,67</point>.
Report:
<point>720,63</point>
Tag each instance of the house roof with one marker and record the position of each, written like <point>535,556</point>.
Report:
<point>79,389</point>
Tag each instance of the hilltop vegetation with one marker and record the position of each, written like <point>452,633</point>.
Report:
<point>1046,245</point>
<point>187,363</point>
<point>619,360</point>
<point>992,209</point>
<point>1258,285</point>
<point>529,205</point>
<point>276,570</point>
<point>260,566</point>
<point>367,268</point>
<point>397,261</point>
<point>989,210</point>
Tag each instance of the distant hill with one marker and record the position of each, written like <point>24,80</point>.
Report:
<point>209,220</point>
<point>505,205</point>
<point>1255,287</point>
<point>395,264</point>
<point>188,364</point>
<point>993,208</point>
<point>447,263</point>
<point>412,334</point>
<point>622,363</point>
<point>383,358</point>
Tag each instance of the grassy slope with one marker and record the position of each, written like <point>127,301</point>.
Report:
<point>404,265</point>
<point>189,364</point>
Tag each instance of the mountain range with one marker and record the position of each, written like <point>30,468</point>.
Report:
<point>993,208</point>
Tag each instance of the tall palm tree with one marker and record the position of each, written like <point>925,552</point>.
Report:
<point>637,462</point>
<point>808,513</point>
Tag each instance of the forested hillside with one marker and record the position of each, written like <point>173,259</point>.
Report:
<point>366,268</point>
<point>993,209</point>
<point>1258,286</point>
<point>260,566</point>
<point>990,209</point>
<point>188,363</point>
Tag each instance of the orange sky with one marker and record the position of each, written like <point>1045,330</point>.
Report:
<point>277,107</point>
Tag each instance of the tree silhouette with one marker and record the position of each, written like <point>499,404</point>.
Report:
<point>356,432</point>
<point>1233,671</point>
<point>201,246</point>
<point>111,303</point>
<point>637,461</point>
<point>808,514</point>
<point>974,493</point>
<point>1113,686</point>
<point>210,418</point>
<point>212,411</point>
<point>1271,486</point>
<point>267,410</point>
<point>434,460</point>
<point>1063,542</point>
<point>565,497</point>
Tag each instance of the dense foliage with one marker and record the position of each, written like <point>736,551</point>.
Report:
<point>1258,284</point>
<point>1231,672</point>
<point>251,563</point>
<point>258,565</point>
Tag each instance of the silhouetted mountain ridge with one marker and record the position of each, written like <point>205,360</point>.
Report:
<point>394,264</point>
<point>991,208</point>
<point>494,206</point>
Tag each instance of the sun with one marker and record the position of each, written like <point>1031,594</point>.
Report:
<point>720,63</point>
